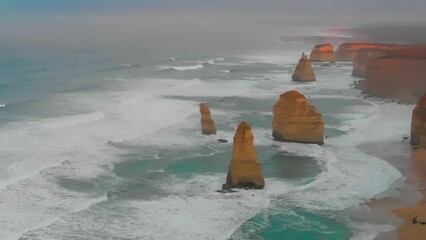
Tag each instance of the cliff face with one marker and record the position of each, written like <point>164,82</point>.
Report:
<point>418,124</point>
<point>323,53</point>
<point>346,51</point>
<point>296,120</point>
<point>304,71</point>
<point>244,170</point>
<point>361,59</point>
<point>400,74</point>
<point>207,124</point>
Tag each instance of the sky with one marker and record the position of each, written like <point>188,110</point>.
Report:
<point>301,6</point>
<point>154,23</point>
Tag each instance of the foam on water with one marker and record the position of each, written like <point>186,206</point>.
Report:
<point>182,68</point>
<point>198,212</point>
<point>341,187</point>
<point>38,152</point>
<point>35,153</point>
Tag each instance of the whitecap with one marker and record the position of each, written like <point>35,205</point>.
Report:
<point>183,68</point>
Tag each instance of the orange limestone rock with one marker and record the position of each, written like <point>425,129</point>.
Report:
<point>361,59</point>
<point>323,53</point>
<point>296,120</point>
<point>346,51</point>
<point>244,170</point>
<point>400,74</point>
<point>207,124</point>
<point>303,71</point>
<point>418,124</point>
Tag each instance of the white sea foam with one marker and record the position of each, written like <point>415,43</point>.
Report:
<point>272,58</point>
<point>193,211</point>
<point>182,68</point>
<point>354,177</point>
<point>39,151</point>
<point>35,152</point>
<point>2,105</point>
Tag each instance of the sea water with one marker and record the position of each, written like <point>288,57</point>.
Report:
<point>107,145</point>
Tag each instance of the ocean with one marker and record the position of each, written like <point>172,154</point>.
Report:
<point>106,144</point>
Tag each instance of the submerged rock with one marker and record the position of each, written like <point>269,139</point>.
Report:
<point>323,53</point>
<point>207,124</point>
<point>244,170</point>
<point>296,120</point>
<point>418,124</point>
<point>304,71</point>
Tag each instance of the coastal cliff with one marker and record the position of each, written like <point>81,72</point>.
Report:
<point>296,120</point>
<point>304,71</point>
<point>323,53</point>
<point>418,124</point>
<point>400,74</point>
<point>244,170</point>
<point>361,59</point>
<point>207,124</point>
<point>346,51</point>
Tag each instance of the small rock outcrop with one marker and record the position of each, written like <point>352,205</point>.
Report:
<point>304,71</point>
<point>323,53</point>
<point>244,170</point>
<point>296,120</point>
<point>207,124</point>
<point>418,124</point>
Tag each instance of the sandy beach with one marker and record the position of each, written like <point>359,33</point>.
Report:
<point>409,203</point>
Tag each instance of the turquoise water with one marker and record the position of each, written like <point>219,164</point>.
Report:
<point>292,224</point>
<point>107,145</point>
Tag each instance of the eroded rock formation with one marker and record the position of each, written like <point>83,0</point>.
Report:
<point>296,120</point>
<point>346,51</point>
<point>401,74</point>
<point>207,124</point>
<point>244,170</point>
<point>304,71</point>
<point>361,59</point>
<point>418,124</point>
<point>323,53</point>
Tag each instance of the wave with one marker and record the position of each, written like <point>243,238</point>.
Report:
<point>183,68</point>
<point>2,105</point>
<point>191,67</point>
<point>213,61</point>
<point>124,66</point>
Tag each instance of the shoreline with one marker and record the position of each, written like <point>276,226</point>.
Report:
<point>405,199</point>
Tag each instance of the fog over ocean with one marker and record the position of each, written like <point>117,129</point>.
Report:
<point>100,126</point>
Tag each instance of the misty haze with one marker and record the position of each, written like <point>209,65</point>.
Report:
<point>227,119</point>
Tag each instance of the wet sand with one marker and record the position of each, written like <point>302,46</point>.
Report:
<point>407,199</point>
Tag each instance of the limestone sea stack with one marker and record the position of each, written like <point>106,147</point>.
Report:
<point>244,170</point>
<point>296,120</point>
<point>346,51</point>
<point>207,124</point>
<point>304,71</point>
<point>400,74</point>
<point>323,53</point>
<point>418,124</point>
